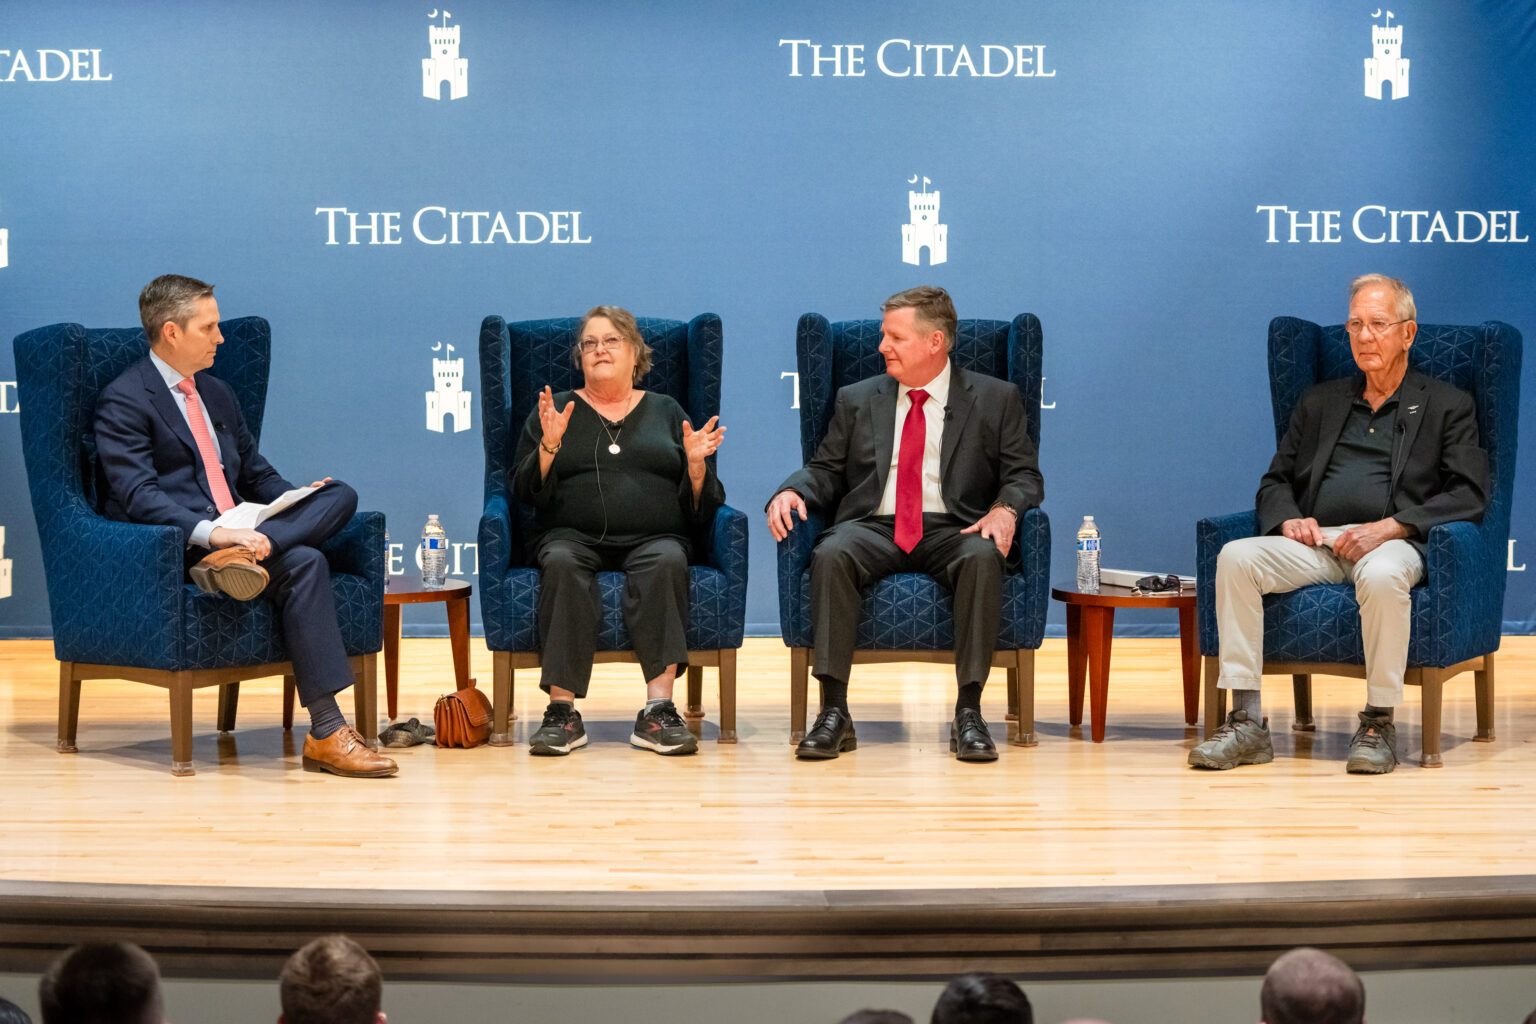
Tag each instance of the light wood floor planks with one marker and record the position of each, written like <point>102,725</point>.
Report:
<point>898,813</point>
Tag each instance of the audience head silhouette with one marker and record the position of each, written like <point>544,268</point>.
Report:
<point>876,1017</point>
<point>332,980</point>
<point>982,998</point>
<point>1308,986</point>
<point>10,1013</point>
<point>102,983</point>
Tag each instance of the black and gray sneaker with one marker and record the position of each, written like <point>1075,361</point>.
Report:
<point>662,729</point>
<point>1373,748</point>
<point>561,731</point>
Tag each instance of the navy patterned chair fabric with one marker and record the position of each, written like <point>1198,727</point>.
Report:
<point>517,360</point>
<point>1458,609</point>
<point>910,612</point>
<point>120,605</point>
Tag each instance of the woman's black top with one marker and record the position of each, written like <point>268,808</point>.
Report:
<point>597,497</point>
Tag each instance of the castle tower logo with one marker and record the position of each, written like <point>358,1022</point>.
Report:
<point>923,230</point>
<point>447,397</point>
<point>5,567</point>
<point>444,66</point>
<point>1386,65</point>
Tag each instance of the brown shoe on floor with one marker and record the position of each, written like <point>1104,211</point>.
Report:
<point>231,571</point>
<point>343,752</point>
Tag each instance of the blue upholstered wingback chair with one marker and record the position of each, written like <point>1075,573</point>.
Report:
<point>908,616</point>
<point>516,361</point>
<point>117,592</point>
<point>1458,608</point>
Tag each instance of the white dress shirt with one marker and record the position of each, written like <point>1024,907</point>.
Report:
<point>933,444</point>
<point>172,378</point>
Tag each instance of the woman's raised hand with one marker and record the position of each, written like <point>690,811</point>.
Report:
<point>553,421</point>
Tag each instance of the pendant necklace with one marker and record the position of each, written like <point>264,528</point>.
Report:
<point>613,439</point>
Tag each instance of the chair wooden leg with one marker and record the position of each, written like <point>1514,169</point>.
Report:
<point>1482,682</point>
<point>365,694</point>
<point>1215,697</point>
<point>69,707</point>
<point>1024,671</point>
<point>290,691</point>
<point>229,703</point>
<point>1013,693</point>
<point>799,677</point>
<point>1431,686</point>
<point>501,698</point>
<point>181,728</point>
<point>693,710</point>
<point>393,614</point>
<point>728,695</point>
<point>1301,686</point>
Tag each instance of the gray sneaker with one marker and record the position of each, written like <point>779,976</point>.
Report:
<point>560,733</point>
<point>1373,749</point>
<point>1238,740</point>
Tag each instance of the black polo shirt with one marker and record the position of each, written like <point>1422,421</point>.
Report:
<point>1358,482</point>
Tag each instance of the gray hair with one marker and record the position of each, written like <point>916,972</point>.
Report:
<point>170,298</point>
<point>1402,298</point>
<point>1308,986</point>
<point>624,321</point>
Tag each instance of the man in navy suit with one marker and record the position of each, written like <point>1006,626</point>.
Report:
<point>175,451</point>
<point>927,468</point>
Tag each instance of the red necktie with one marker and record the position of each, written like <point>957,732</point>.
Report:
<point>909,474</point>
<point>217,486</point>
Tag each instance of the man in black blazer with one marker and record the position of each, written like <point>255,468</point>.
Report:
<point>925,469</point>
<point>1368,466</point>
<point>175,451</point>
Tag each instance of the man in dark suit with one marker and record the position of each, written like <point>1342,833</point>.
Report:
<point>927,469</point>
<point>1368,466</point>
<point>175,451</point>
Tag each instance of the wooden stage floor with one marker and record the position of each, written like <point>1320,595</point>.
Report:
<point>1066,859</point>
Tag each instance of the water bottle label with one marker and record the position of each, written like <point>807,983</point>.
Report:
<point>1087,543</point>
<point>431,543</point>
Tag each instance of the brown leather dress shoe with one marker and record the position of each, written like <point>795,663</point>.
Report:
<point>343,752</point>
<point>231,571</point>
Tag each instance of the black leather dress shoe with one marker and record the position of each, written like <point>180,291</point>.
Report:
<point>831,735</point>
<point>969,739</point>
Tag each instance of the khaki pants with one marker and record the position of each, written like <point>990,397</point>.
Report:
<point>1248,569</point>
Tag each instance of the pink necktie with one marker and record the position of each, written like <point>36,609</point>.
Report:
<point>909,474</point>
<point>211,468</point>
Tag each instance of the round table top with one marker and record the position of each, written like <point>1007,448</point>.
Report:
<point>1120,597</point>
<point>407,589</point>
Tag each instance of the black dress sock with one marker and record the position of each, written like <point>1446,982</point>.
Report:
<point>969,697</point>
<point>834,693</point>
<point>325,716</point>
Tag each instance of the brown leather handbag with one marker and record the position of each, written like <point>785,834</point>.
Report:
<point>462,718</point>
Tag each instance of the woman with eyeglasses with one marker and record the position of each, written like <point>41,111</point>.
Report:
<point>618,481</point>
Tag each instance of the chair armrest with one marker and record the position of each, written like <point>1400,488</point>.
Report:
<point>359,548</point>
<point>114,590</point>
<point>501,548</point>
<point>728,543</point>
<point>1464,581</point>
<point>1210,536</point>
<point>795,550</point>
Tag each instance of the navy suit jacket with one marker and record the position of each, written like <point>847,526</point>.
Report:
<point>986,455</point>
<point>150,461</point>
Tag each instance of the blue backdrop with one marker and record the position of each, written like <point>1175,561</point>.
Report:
<point>1154,181</point>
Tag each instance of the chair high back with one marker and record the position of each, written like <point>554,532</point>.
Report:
<point>1482,360</point>
<point>62,369</point>
<point>835,354</point>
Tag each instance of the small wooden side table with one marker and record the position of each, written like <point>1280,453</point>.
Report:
<point>1091,631</point>
<point>408,589</point>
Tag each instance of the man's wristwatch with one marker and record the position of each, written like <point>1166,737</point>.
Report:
<point>1006,508</point>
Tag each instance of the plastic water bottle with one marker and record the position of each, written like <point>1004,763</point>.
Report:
<point>1088,556</point>
<point>434,555</point>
